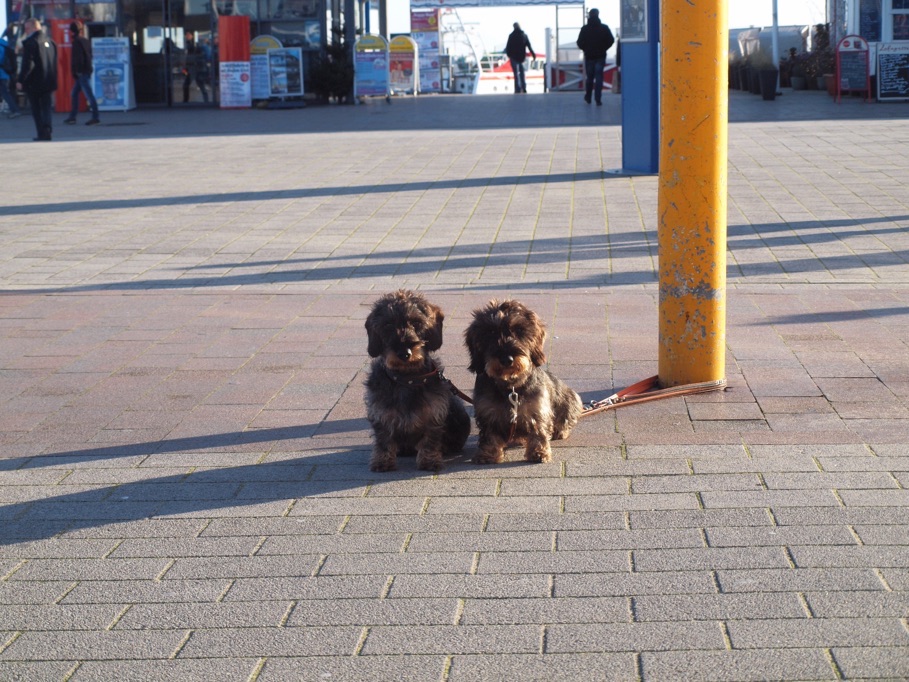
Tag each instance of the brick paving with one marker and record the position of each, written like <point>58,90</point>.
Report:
<point>184,489</point>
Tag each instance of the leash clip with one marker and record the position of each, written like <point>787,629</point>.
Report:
<point>515,401</point>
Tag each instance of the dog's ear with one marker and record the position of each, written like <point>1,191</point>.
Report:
<point>473,340</point>
<point>537,339</point>
<point>375,347</point>
<point>433,336</point>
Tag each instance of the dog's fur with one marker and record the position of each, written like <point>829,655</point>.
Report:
<point>409,404</point>
<point>505,342</point>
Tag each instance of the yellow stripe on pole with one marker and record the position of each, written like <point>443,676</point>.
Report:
<point>692,191</point>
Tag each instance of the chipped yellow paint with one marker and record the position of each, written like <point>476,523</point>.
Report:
<point>692,191</point>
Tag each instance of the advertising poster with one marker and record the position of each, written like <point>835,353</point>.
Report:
<point>371,66</point>
<point>258,64</point>
<point>402,61</point>
<point>424,20</point>
<point>285,72</point>
<point>425,33</point>
<point>236,90</point>
<point>112,77</point>
<point>233,62</point>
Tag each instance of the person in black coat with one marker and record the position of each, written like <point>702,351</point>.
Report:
<point>38,76</point>
<point>594,40</point>
<point>81,69</point>
<point>516,50</point>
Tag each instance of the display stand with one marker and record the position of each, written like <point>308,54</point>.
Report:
<point>403,66</point>
<point>233,62</point>
<point>285,77</point>
<point>258,65</point>
<point>371,68</point>
<point>852,61</point>
<point>892,72</point>
<point>112,78</point>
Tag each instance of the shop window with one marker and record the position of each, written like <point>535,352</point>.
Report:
<point>242,8</point>
<point>45,10</point>
<point>900,19</point>
<point>289,9</point>
<point>97,12</point>
<point>305,34</point>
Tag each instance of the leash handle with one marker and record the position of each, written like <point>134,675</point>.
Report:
<point>643,391</point>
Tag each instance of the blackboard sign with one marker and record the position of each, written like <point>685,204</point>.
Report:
<point>853,70</point>
<point>893,75</point>
<point>852,66</point>
<point>870,20</point>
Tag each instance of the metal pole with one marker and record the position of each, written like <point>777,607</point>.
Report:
<point>775,43</point>
<point>692,192</point>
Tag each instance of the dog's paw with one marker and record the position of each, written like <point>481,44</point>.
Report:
<point>489,456</point>
<point>539,454</point>
<point>429,463</point>
<point>562,433</point>
<point>383,464</point>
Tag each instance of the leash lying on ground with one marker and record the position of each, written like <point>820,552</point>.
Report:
<point>641,392</point>
<point>644,391</point>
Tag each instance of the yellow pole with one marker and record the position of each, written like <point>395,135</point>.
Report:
<point>692,191</point>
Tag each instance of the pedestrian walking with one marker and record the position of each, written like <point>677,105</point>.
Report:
<point>195,67</point>
<point>38,76</point>
<point>81,69</point>
<point>595,39</point>
<point>516,50</point>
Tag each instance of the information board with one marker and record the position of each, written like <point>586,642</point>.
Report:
<point>403,66</point>
<point>371,66</point>
<point>260,87</point>
<point>285,72</point>
<point>892,72</point>
<point>852,62</point>
<point>112,80</point>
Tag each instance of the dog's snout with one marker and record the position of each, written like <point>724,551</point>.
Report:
<point>507,360</point>
<point>405,353</point>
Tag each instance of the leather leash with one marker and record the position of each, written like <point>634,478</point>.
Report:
<point>645,391</point>
<point>641,392</point>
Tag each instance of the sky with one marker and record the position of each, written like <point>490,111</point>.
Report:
<point>493,24</point>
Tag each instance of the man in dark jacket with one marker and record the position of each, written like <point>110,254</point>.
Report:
<point>516,50</point>
<point>594,40</point>
<point>38,76</point>
<point>81,68</point>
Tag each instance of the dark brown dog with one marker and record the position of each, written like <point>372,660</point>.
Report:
<point>515,399</point>
<point>409,403</point>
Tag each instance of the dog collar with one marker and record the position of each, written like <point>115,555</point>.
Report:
<point>410,380</point>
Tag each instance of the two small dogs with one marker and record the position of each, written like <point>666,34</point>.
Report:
<point>412,408</point>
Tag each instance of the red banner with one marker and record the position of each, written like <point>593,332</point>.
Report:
<point>60,34</point>
<point>233,38</point>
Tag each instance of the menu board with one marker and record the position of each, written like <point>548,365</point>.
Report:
<point>893,74</point>
<point>853,70</point>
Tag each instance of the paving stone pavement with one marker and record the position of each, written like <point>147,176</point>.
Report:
<point>184,489</point>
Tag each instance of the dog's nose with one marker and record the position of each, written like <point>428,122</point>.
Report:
<point>508,360</point>
<point>405,354</point>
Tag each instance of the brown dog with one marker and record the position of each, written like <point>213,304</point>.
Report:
<point>515,399</point>
<point>409,402</point>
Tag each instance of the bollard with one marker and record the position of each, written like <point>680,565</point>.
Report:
<point>692,192</point>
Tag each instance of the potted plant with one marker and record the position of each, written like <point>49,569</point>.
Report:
<point>798,77</point>
<point>767,74</point>
<point>826,60</point>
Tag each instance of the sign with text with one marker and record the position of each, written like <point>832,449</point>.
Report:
<point>371,66</point>
<point>112,76</point>
<point>285,72</point>
<point>892,72</point>
<point>852,73</point>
